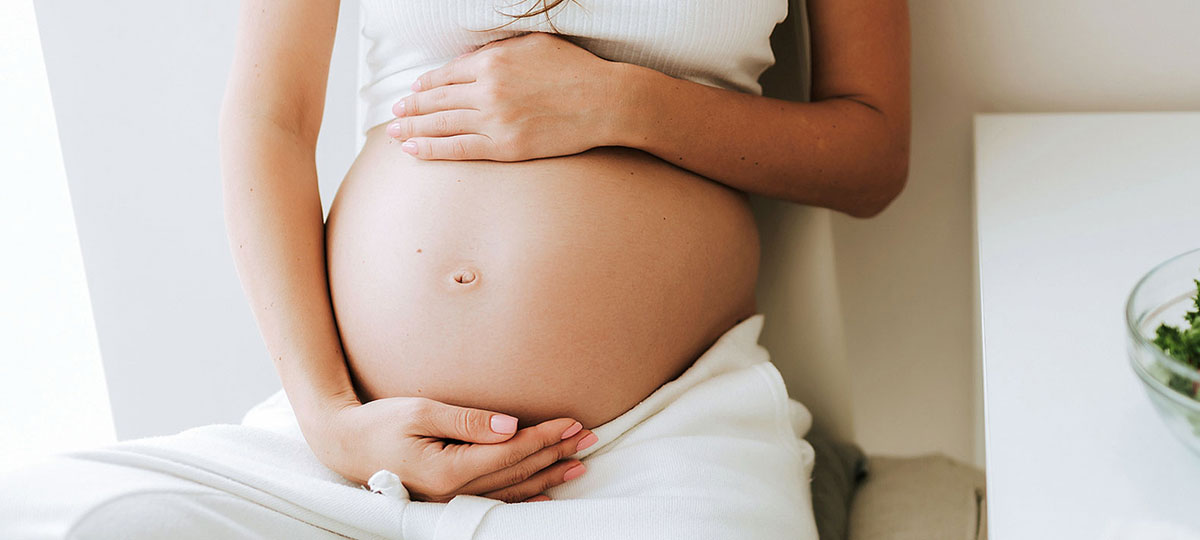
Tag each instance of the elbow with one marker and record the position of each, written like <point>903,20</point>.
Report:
<point>883,186</point>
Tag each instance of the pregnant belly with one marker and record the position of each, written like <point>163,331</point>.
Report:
<point>569,286</point>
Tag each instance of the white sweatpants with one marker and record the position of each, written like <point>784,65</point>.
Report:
<point>714,454</point>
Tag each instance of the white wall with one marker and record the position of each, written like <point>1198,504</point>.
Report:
<point>137,86</point>
<point>906,277</point>
<point>52,390</point>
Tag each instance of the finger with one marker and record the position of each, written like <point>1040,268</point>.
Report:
<point>557,474</point>
<point>456,465</point>
<point>457,71</point>
<point>539,498</point>
<point>529,466</point>
<point>446,421</point>
<point>438,124</point>
<point>459,96</point>
<point>483,459</point>
<point>456,147</point>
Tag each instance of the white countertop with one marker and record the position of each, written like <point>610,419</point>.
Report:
<point>1071,210</point>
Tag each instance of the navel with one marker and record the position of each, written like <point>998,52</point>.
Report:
<point>464,276</point>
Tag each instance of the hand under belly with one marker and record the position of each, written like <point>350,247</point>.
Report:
<point>570,286</point>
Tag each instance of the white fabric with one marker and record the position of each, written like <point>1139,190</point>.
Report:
<point>719,43</point>
<point>714,454</point>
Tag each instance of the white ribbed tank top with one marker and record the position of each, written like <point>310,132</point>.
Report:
<point>721,43</point>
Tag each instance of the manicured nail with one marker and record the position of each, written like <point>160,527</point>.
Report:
<point>411,147</point>
<point>574,472</point>
<point>571,431</point>
<point>393,129</point>
<point>416,85</point>
<point>399,108</point>
<point>501,423</point>
<point>587,441</point>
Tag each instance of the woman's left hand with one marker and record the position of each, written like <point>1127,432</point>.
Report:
<point>533,96</point>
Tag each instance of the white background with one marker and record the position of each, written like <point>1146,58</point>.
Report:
<point>137,86</point>
<point>52,392</point>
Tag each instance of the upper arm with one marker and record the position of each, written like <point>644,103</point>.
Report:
<point>281,64</point>
<point>860,50</point>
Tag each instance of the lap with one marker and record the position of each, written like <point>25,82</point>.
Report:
<point>65,497</point>
<point>713,454</point>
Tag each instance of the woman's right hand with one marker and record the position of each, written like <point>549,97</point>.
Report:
<point>439,451</point>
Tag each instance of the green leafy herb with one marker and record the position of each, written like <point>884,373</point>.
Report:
<point>1183,344</point>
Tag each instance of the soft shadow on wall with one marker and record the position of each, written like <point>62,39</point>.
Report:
<point>906,276</point>
<point>137,87</point>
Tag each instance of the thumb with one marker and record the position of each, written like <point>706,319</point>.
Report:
<point>468,425</point>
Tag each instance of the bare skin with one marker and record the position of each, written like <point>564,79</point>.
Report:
<point>847,150</point>
<point>539,95</point>
<point>268,131</point>
<point>571,286</point>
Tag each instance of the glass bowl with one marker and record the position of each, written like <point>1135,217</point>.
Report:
<point>1163,295</point>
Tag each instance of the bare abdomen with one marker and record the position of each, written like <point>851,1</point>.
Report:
<point>570,286</point>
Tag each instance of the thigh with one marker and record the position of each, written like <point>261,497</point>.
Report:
<point>66,497</point>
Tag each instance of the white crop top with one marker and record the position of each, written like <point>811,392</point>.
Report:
<point>721,43</point>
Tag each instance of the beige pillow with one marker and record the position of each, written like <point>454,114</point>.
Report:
<point>929,497</point>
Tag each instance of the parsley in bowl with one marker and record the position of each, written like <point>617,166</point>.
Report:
<point>1163,336</point>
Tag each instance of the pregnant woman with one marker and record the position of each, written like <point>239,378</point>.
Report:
<point>536,282</point>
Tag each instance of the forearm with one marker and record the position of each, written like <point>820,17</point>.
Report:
<point>276,232</point>
<point>835,153</point>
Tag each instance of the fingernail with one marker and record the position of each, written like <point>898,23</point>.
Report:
<point>587,441</point>
<point>539,498</point>
<point>399,108</point>
<point>393,129</point>
<point>411,147</point>
<point>571,431</point>
<point>416,85</point>
<point>501,423</point>
<point>574,472</point>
